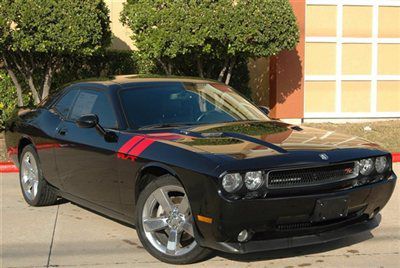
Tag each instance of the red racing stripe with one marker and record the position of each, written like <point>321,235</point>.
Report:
<point>138,149</point>
<point>130,144</point>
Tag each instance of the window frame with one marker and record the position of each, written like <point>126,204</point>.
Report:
<point>79,89</point>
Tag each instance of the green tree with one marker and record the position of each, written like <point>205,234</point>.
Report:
<point>227,31</point>
<point>37,35</point>
<point>164,30</point>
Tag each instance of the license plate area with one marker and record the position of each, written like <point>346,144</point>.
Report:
<point>330,208</point>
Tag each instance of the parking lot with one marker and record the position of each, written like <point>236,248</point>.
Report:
<point>67,235</point>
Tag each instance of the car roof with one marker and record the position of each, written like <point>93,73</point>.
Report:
<point>129,80</point>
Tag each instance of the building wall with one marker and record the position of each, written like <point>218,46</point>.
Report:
<point>347,64</point>
<point>286,74</point>
<point>352,59</point>
<point>121,34</point>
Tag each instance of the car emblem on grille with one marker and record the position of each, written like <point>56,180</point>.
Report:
<point>324,156</point>
<point>348,170</point>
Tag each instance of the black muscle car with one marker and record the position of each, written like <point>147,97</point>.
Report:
<point>195,167</point>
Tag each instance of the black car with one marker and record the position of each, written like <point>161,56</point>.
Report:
<point>195,167</point>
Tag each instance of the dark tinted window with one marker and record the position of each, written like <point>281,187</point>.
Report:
<point>94,102</point>
<point>64,105</point>
<point>186,103</point>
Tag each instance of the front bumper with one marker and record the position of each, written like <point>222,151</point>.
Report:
<point>284,222</point>
<point>297,241</point>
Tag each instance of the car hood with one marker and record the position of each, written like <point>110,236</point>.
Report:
<point>243,140</point>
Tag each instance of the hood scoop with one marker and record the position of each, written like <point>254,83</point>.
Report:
<point>212,134</point>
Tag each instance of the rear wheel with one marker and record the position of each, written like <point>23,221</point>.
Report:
<point>165,223</point>
<point>34,187</point>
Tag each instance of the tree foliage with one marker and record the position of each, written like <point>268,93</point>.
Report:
<point>224,30</point>
<point>36,36</point>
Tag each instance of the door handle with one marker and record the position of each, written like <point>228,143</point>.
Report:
<point>62,131</point>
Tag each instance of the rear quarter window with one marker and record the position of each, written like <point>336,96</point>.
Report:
<point>64,104</point>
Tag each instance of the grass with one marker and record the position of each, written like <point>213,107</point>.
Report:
<point>385,133</point>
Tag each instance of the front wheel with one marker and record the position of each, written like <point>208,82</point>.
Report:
<point>34,187</point>
<point>165,223</point>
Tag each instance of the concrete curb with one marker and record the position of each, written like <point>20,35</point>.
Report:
<point>9,167</point>
<point>396,157</point>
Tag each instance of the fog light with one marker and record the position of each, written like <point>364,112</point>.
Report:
<point>243,236</point>
<point>372,215</point>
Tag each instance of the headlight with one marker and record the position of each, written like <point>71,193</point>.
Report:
<point>366,166</point>
<point>232,182</point>
<point>381,164</point>
<point>253,180</point>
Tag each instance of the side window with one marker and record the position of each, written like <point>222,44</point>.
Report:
<point>94,102</point>
<point>64,105</point>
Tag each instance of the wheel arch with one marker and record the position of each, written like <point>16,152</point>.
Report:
<point>150,172</point>
<point>23,142</point>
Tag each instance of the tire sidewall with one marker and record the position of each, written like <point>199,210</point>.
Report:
<point>193,256</point>
<point>35,201</point>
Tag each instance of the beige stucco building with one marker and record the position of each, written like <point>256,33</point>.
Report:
<point>347,64</point>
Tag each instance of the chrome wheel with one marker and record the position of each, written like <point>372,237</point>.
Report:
<point>29,175</point>
<point>167,221</point>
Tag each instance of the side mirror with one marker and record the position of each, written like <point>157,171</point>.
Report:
<point>264,109</point>
<point>87,121</point>
<point>92,121</point>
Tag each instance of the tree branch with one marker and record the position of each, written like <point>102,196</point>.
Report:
<point>15,81</point>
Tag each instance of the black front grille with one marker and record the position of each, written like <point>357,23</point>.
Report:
<point>291,178</point>
<point>307,225</point>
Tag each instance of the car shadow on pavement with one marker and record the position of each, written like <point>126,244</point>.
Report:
<point>61,201</point>
<point>303,250</point>
<point>126,224</point>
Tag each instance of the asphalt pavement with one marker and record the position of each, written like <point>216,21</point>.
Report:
<point>66,235</point>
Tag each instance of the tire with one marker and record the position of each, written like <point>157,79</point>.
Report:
<point>35,189</point>
<point>157,225</point>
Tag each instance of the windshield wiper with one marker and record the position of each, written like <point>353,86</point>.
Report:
<point>165,125</point>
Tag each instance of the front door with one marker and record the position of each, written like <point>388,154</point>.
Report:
<point>86,163</point>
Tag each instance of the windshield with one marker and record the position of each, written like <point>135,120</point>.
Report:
<point>176,103</point>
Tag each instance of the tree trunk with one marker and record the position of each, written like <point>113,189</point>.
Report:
<point>229,75</point>
<point>200,67</point>
<point>166,67</point>
<point>169,68</point>
<point>15,82</point>
<point>223,71</point>
<point>47,81</point>
<point>33,89</point>
<point>26,72</point>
